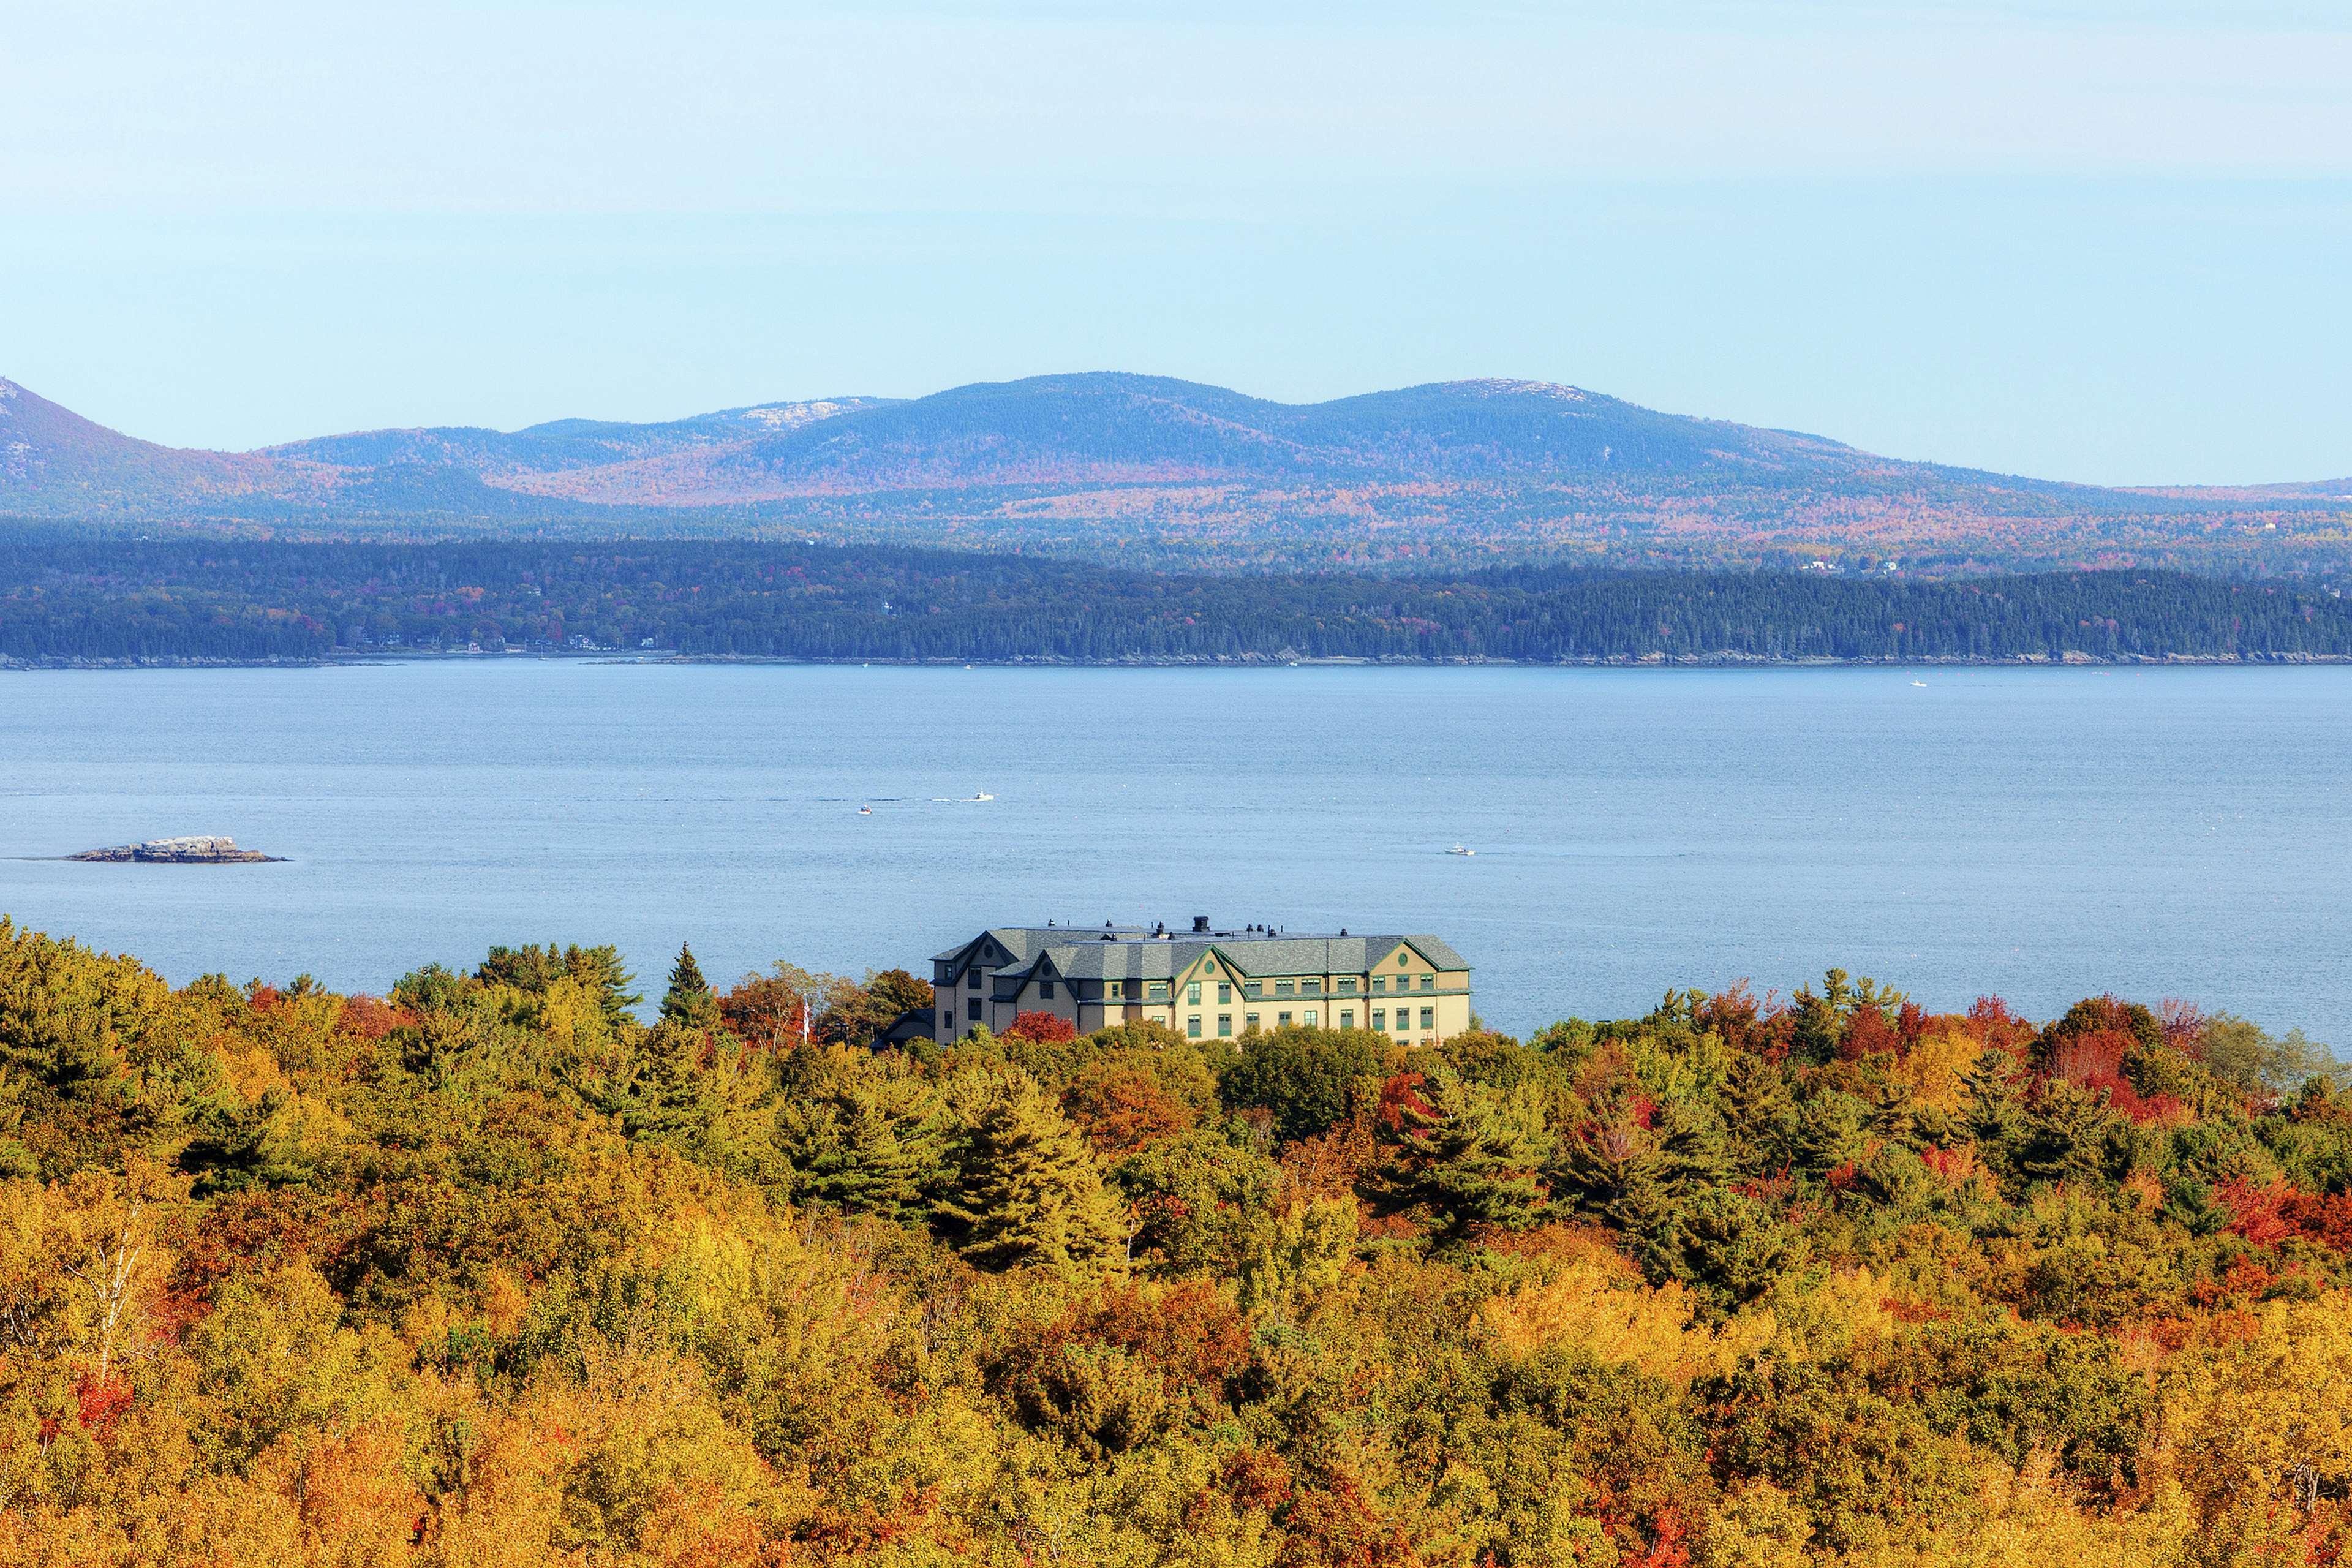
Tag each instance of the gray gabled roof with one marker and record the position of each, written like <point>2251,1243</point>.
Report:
<point>1022,943</point>
<point>1132,955</point>
<point>1330,954</point>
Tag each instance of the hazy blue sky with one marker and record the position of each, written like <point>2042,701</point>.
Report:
<point>2103,241</point>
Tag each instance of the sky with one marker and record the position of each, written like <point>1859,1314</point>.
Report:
<point>2097,241</point>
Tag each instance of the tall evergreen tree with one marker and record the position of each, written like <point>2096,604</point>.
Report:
<point>689,1001</point>
<point>1026,1189</point>
<point>1467,1154</point>
<point>862,1132</point>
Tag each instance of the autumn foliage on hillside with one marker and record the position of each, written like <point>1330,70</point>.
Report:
<point>490,1271</point>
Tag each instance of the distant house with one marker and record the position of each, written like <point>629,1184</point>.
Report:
<point>1204,984</point>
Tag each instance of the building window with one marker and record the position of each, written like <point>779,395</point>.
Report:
<point>1249,1022</point>
<point>1114,990</point>
<point>1283,988</point>
<point>1404,1019</point>
<point>1379,986</point>
<point>1192,1027</point>
<point>1225,1026</point>
<point>1429,1017</point>
<point>1282,1020</point>
<point>972,978</point>
<point>1252,989</point>
<point>1429,983</point>
<point>1311,987</point>
<point>972,1009</point>
<point>1348,985</point>
<point>1156,991</point>
<point>1380,1017</point>
<point>1045,990</point>
<point>947,1018</point>
<point>1224,992</point>
<point>1347,1018</point>
<point>1403,959</point>
<point>1193,993</point>
<point>1312,1015</point>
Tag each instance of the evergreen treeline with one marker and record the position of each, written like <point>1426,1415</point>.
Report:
<point>489,1272</point>
<point>260,600</point>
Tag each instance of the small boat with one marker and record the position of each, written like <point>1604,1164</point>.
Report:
<point>983,795</point>
<point>1918,683</point>
<point>1459,849</point>
<point>864,811</point>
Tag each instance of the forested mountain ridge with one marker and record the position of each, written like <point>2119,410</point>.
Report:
<point>561,445</point>
<point>488,1270</point>
<point>1104,463</point>
<point>114,600</point>
<point>52,460</point>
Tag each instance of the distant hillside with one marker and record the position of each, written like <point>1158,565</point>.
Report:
<point>560,446</point>
<point>1156,469</point>
<point>53,460</point>
<point>1096,430</point>
<point>254,599</point>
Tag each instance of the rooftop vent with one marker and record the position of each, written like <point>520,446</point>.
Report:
<point>1201,924</point>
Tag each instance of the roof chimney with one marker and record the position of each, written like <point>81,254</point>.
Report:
<point>1201,925</point>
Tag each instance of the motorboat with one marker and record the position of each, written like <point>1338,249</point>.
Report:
<point>864,811</point>
<point>1461,849</point>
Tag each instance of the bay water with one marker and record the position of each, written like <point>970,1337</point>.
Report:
<point>2039,834</point>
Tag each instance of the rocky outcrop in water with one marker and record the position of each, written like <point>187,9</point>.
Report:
<point>196,851</point>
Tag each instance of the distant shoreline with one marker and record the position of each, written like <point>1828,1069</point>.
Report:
<point>1243,661</point>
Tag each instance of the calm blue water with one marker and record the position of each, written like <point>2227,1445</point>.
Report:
<point>2037,834</point>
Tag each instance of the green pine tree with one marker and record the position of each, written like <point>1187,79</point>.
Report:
<point>1026,1189</point>
<point>1466,1154</point>
<point>1995,1111</point>
<point>689,1001</point>
<point>860,1132</point>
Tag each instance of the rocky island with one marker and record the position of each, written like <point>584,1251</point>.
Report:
<point>202,850</point>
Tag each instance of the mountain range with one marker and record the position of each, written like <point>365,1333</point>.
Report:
<point>1492,469</point>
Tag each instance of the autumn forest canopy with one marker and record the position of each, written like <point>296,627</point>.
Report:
<point>527,1264</point>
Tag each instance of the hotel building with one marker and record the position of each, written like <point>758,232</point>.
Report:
<point>1205,985</point>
